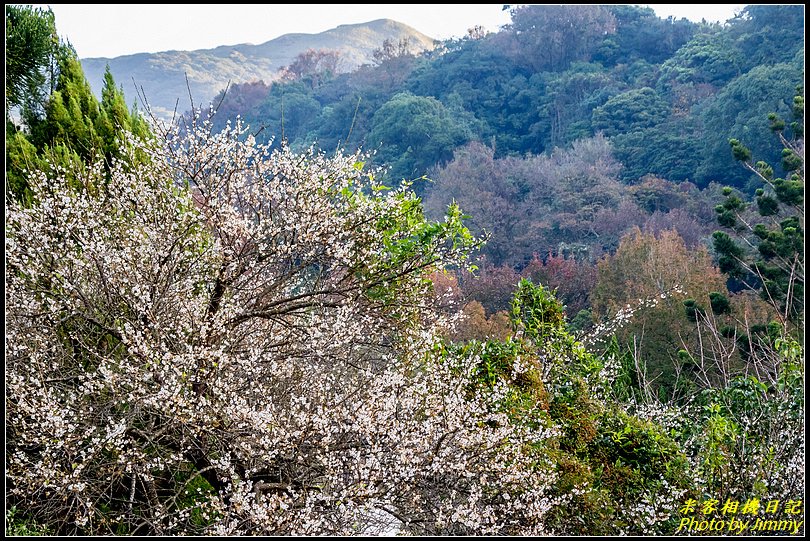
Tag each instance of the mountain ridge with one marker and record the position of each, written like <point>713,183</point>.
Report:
<point>162,75</point>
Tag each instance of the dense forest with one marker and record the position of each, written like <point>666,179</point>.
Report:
<point>563,136</point>
<point>667,94</point>
<point>639,108</point>
<point>547,280</point>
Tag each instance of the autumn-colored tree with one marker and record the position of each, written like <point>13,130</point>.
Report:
<point>237,100</point>
<point>475,325</point>
<point>490,285</point>
<point>536,203</point>
<point>690,227</point>
<point>491,193</point>
<point>389,51</point>
<point>571,279</point>
<point>314,66</point>
<point>394,61</point>
<point>655,275</point>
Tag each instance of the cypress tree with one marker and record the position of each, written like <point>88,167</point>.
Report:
<point>70,127</point>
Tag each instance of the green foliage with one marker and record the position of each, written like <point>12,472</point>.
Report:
<point>767,33</point>
<point>409,240</point>
<point>285,114</point>
<point>566,100</point>
<point>720,303</point>
<point>798,115</point>
<point>72,113</point>
<point>631,110</point>
<point>739,112</point>
<point>607,460</point>
<point>31,41</point>
<point>627,441</point>
<point>791,191</point>
<point>741,153</point>
<point>195,492</point>
<point>669,93</point>
<point>729,253</point>
<point>484,83</point>
<point>669,150</point>
<point>21,156</point>
<point>582,321</point>
<point>17,525</point>
<point>115,119</point>
<point>693,310</point>
<point>727,211</point>
<point>74,128</point>
<point>640,34</point>
<point>708,58</point>
<point>736,454</point>
<point>551,37</point>
<point>536,313</point>
<point>774,262</point>
<point>416,132</point>
<point>766,205</point>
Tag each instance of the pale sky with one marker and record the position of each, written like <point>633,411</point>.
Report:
<point>110,30</point>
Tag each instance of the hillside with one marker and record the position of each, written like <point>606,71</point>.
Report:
<point>668,94</point>
<point>559,137</point>
<point>162,75</point>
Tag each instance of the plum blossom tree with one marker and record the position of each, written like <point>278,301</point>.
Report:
<point>224,339</point>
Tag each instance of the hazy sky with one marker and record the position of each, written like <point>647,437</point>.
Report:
<point>110,30</point>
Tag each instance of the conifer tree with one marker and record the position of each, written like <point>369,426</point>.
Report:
<point>74,127</point>
<point>766,252</point>
<point>30,44</point>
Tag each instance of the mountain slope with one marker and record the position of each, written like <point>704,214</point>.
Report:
<point>163,75</point>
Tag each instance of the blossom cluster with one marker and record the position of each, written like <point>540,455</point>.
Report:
<point>213,337</point>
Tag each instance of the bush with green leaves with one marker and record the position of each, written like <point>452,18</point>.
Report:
<point>616,473</point>
<point>745,439</point>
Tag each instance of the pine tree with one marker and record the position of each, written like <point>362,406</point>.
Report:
<point>30,44</point>
<point>767,250</point>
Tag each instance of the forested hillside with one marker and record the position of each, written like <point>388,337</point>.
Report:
<point>668,94</point>
<point>562,132</point>
<point>631,114</point>
<point>588,318</point>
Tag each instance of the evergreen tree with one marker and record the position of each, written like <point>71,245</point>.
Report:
<point>30,44</point>
<point>69,127</point>
<point>768,252</point>
<point>416,132</point>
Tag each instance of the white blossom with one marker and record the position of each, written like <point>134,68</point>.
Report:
<point>226,340</point>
